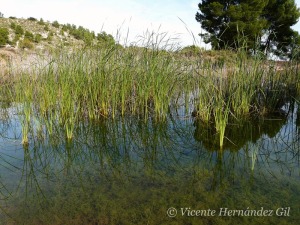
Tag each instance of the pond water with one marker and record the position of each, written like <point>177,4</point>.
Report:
<point>131,171</point>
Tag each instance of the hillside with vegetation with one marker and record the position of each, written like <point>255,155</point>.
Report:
<point>24,41</point>
<point>38,34</point>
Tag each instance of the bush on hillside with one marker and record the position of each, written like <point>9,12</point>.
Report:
<point>26,44</point>
<point>41,22</point>
<point>46,27</point>
<point>104,38</point>
<point>37,38</point>
<point>3,36</point>
<point>50,37</point>
<point>55,24</point>
<point>29,36</point>
<point>13,25</point>
<point>32,19</point>
<point>191,50</point>
<point>19,30</point>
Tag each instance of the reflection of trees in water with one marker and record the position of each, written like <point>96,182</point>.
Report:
<point>152,155</point>
<point>269,146</point>
<point>158,144</point>
<point>237,134</point>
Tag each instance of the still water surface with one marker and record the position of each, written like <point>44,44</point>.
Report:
<point>129,171</point>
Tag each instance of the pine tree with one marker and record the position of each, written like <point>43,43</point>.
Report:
<point>251,24</point>
<point>281,15</point>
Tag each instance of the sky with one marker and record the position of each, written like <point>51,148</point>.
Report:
<point>128,20</point>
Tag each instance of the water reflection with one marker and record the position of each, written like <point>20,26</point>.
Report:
<point>238,133</point>
<point>131,171</point>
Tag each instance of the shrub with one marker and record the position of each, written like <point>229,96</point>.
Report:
<point>49,38</point>
<point>65,28</point>
<point>26,43</point>
<point>37,38</point>
<point>13,25</point>
<point>191,50</point>
<point>3,36</point>
<point>103,37</point>
<point>41,22</point>
<point>12,17</point>
<point>19,30</point>
<point>29,36</point>
<point>55,24</point>
<point>32,19</point>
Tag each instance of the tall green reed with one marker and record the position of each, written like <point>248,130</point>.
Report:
<point>24,96</point>
<point>108,81</point>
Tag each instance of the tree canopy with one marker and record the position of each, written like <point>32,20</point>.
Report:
<point>263,25</point>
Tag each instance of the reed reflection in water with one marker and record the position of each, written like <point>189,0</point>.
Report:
<point>130,171</point>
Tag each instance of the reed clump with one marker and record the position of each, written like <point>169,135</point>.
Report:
<point>109,81</point>
<point>248,87</point>
<point>94,83</point>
